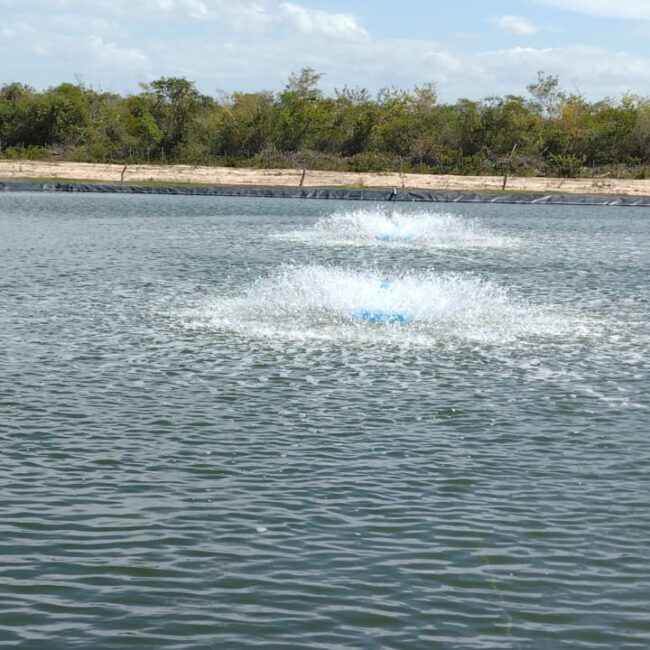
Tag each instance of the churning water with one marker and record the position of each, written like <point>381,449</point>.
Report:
<point>380,225</point>
<point>287,424</point>
<point>337,304</point>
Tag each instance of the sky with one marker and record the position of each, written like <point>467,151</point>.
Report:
<point>469,48</point>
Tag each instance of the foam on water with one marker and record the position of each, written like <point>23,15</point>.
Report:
<point>381,226</point>
<point>337,304</point>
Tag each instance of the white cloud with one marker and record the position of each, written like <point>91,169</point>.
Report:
<point>595,71</point>
<point>376,62</point>
<point>243,15</point>
<point>70,51</point>
<point>256,44</point>
<point>515,25</point>
<point>85,24</point>
<point>196,9</point>
<point>106,54</point>
<point>246,15</point>
<point>324,23</point>
<point>633,9</point>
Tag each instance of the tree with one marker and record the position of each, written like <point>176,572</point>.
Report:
<point>143,133</point>
<point>300,114</point>
<point>546,92</point>
<point>641,132</point>
<point>14,100</point>
<point>353,116</point>
<point>304,84</point>
<point>57,116</point>
<point>176,103</point>
<point>247,124</point>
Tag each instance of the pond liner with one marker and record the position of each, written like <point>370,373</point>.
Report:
<point>341,194</point>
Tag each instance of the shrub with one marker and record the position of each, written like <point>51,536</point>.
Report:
<point>565,165</point>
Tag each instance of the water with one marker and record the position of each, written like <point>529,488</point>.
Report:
<point>204,445</point>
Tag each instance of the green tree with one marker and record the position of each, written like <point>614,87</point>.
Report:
<point>56,117</point>
<point>641,132</point>
<point>142,135</point>
<point>300,112</point>
<point>176,103</point>
<point>14,101</point>
<point>304,84</point>
<point>546,93</point>
<point>247,124</point>
<point>353,117</point>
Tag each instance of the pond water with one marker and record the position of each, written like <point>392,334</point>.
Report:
<point>318,424</point>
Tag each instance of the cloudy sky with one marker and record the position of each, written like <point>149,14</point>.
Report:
<point>470,48</point>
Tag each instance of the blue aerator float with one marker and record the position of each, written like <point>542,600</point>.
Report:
<point>386,237</point>
<point>383,315</point>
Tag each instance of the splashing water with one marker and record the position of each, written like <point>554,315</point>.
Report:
<point>305,303</point>
<point>381,227</point>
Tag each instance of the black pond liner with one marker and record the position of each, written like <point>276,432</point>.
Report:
<point>424,196</point>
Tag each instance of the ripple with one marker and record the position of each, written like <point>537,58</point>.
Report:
<point>201,449</point>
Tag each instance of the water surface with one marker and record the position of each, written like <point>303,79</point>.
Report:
<point>205,444</point>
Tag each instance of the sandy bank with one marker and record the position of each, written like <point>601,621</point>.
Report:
<point>106,173</point>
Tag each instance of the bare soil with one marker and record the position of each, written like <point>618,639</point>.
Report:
<point>133,174</point>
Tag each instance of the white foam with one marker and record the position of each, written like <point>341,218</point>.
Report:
<point>381,226</point>
<point>307,303</point>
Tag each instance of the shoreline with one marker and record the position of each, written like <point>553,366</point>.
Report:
<point>200,175</point>
<point>341,194</point>
<point>294,183</point>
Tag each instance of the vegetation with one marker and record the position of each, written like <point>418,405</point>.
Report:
<point>547,132</point>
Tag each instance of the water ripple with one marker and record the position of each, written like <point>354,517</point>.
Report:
<point>203,446</point>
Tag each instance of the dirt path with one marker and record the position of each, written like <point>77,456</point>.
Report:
<point>134,174</point>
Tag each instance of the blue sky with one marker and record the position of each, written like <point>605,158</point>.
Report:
<point>470,48</point>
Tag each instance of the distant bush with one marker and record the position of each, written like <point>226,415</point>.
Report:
<point>369,161</point>
<point>30,152</point>
<point>169,121</point>
<point>564,165</point>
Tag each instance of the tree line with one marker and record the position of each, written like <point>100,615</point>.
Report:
<point>546,131</point>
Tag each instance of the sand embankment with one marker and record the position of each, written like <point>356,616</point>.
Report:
<point>133,174</point>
